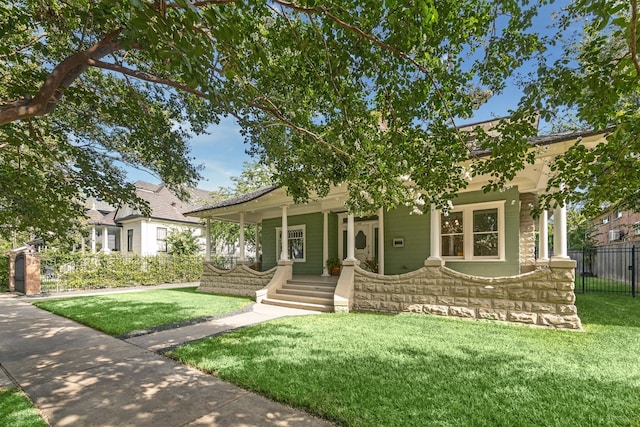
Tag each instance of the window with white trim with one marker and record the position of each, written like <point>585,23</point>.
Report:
<point>452,234</point>
<point>473,232</point>
<point>296,242</point>
<point>161,237</point>
<point>617,214</point>
<point>129,240</point>
<point>636,228</point>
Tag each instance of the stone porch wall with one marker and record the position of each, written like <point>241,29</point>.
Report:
<point>239,281</point>
<point>544,297</point>
<point>527,233</point>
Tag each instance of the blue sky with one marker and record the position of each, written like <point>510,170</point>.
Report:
<point>222,151</point>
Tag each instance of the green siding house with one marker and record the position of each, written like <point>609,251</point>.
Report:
<point>485,236</point>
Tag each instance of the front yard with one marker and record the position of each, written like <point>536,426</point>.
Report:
<point>379,370</point>
<point>118,314</point>
<point>383,370</point>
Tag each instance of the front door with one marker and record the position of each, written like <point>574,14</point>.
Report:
<point>365,235</point>
<point>363,241</point>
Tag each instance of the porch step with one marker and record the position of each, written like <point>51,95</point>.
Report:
<point>301,289</point>
<point>322,300</point>
<point>304,293</point>
<point>298,304</point>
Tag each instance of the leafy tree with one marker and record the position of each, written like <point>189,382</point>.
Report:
<point>579,229</point>
<point>325,92</point>
<point>183,242</point>
<point>595,82</point>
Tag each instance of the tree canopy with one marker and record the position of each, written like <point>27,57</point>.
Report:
<point>364,92</point>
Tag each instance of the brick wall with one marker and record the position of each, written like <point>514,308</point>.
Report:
<point>31,273</point>
<point>543,297</point>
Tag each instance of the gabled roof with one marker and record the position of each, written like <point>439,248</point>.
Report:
<point>101,217</point>
<point>166,205</point>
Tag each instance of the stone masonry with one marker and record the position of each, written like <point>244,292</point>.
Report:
<point>240,281</point>
<point>527,233</point>
<point>544,297</point>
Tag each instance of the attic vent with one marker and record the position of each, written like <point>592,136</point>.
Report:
<point>173,203</point>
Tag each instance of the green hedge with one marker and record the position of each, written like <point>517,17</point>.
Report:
<point>78,271</point>
<point>4,272</point>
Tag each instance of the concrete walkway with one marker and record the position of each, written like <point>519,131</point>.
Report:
<point>77,376</point>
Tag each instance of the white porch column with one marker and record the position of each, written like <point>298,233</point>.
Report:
<point>351,240</point>
<point>241,242</point>
<point>105,240</point>
<point>93,239</point>
<point>560,232</point>
<point>325,242</point>
<point>284,239</point>
<point>543,236</point>
<point>207,237</point>
<point>435,235</point>
<point>381,241</point>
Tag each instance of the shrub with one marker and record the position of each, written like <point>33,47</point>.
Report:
<point>4,273</point>
<point>77,271</point>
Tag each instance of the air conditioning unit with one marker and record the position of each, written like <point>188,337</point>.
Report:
<point>614,235</point>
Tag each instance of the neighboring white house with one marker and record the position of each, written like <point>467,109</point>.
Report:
<point>126,230</point>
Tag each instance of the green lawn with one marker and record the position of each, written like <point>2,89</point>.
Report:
<point>117,314</point>
<point>380,370</point>
<point>16,410</point>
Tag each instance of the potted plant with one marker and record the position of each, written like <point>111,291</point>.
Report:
<point>333,265</point>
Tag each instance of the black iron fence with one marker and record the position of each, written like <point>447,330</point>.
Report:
<point>611,269</point>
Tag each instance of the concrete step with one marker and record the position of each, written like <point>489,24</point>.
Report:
<point>310,292</point>
<point>301,298</point>
<point>297,304</point>
<point>293,284</point>
<point>328,280</point>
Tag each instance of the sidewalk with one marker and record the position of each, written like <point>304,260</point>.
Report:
<point>81,377</point>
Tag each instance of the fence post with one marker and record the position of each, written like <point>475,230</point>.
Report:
<point>583,274</point>
<point>633,271</point>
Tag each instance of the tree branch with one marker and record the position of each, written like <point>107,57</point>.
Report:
<point>634,36</point>
<point>31,43</point>
<point>161,4</point>
<point>273,111</point>
<point>145,76</point>
<point>62,76</point>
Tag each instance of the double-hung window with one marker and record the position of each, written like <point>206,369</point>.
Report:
<point>162,239</point>
<point>473,232</point>
<point>296,243</point>
<point>130,240</point>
